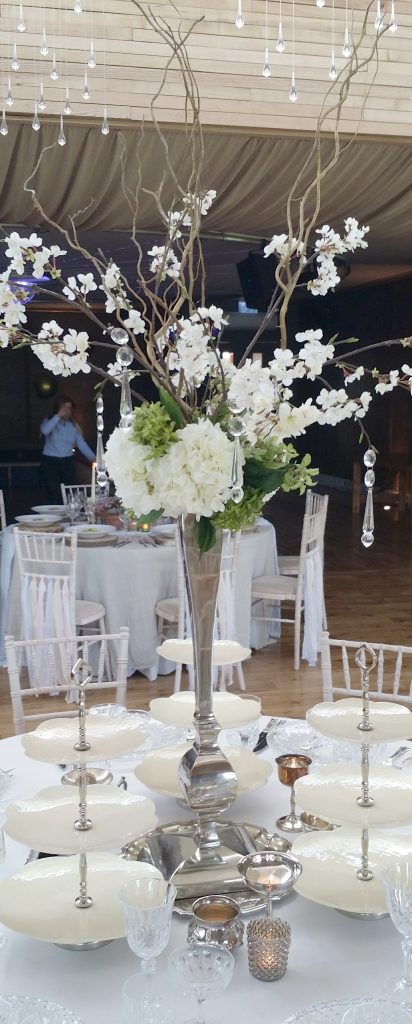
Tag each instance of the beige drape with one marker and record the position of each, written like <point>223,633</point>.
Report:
<point>251,174</point>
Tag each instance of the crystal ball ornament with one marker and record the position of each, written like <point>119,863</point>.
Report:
<point>119,336</point>
<point>369,478</point>
<point>369,458</point>
<point>367,538</point>
<point>124,357</point>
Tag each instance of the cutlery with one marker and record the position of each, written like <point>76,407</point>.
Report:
<point>262,738</point>
<point>394,757</point>
<point>122,783</point>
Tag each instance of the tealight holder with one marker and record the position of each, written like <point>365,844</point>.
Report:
<point>270,874</point>
<point>268,944</point>
<point>292,767</point>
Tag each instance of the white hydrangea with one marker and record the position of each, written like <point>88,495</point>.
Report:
<point>129,467</point>
<point>195,475</point>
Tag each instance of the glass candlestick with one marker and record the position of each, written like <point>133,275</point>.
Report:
<point>292,767</point>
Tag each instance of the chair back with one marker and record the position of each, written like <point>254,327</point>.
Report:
<point>62,653</point>
<point>3,522</point>
<point>310,577</point>
<point>69,491</point>
<point>391,680</point>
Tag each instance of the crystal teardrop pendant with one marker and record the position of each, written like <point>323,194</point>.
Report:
<point>292,91</point>
<point>105,124</point>
<point>92,60</point>
<point>15,63</point>
<point>320,3</point>
<point>393,24</point>
<point>86,91</point>
<point>67,109</point>
<point>9,97</point>
<point>280,45</point>
<point>21,25</point>
<point>77,7</point>
<point>62,138</point>
<point>3,126</point>
<point>333,74</point>
<point>41,105</point>
<point>239,20</point>
<point>266,72</point>
<point>54,74</point>
<point>346,49</point>
<point>44,49</point>
<point>379,18</point>
<point>35,122</point>
<point>126,408</point>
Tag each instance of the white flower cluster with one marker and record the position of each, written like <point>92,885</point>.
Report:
<point>183,218</point>
<point>189,350</point>
<point>62,354</point>
<point>195,474</point>
<point>164,262</point>
<point>327,246</point>
<point>284,247</point>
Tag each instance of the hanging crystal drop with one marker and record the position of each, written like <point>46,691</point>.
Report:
<point>77,7</point>
<point>393,24</point>
<point>280,45</point>
<point>320,3</point>
<point>379,18</point>
<point>124,357</point>
<point>126,408</point>
<point>54,74</point>
<point>35,122</point>
<point>105,124</point>
<point>44,49</point>
<point>369,458</point>
<point>236,428</point>
<point>368,525</point>
<point>15,63</point>
<point>239,20</point>
<point>292,91</point>
<point>3,127</point>
<point>67,109</point>
<point>86,91</point>
<point>347,49</point>
<point>9,97</point>
<point>62,138</point>
<point>41,105</point>
<point>92,60</point>
<point>333,74</point>
<point>266,72</point>
<point>21,26</point>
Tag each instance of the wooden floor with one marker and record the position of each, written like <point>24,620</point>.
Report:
<point>368,597</point>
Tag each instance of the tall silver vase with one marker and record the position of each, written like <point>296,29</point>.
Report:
<point>206,776</point>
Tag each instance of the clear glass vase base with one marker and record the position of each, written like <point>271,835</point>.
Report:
<point>196,871</point>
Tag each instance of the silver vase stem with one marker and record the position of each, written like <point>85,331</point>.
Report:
<point>365,873</point>
<point>83,901</point>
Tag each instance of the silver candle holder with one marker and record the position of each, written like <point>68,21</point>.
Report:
<point>366,661</point>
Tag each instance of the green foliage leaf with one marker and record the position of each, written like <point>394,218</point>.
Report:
<point>263,478</point>
<point>205,534</point>
<point>149,517</point>
<point>172,408</point>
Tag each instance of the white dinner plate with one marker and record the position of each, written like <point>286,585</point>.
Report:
<point>52,510</point>
<point>230,709</point>
<point>159,770</point>
<point>94,530</point>
<point>53,741</point>
<point>354,1011</point>
<point>45,822</point>
<point>39,899</point>
<point>38,520</point>
<point>225,652</point>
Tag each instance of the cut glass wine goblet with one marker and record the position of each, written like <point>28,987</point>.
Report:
<point>147,905</point>
<point>397,883</point>
<point>201,970</point>
<point>292,767</point>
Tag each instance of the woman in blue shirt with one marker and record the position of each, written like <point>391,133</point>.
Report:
<point>62,436</point>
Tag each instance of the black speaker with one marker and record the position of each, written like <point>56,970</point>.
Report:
<point>257,279</point>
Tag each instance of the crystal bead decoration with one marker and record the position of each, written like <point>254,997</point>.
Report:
<point>378,18</point>
<point>67,109</point>
<point>3,126</point>
<point>124,356</point>
<point>15,63</point>
<point>126,408</point>
<point>21,25</point>
<point>320,3</point>
<point>119,336</point>
<point>266,72</point>
<point>35,122</point>
<point>41,105</point>
<point>77,7</point>
<point>368,527</point>
<point>333,74</point>
<point>347,49</point>
<point>92,59</point>
<point>86,91</point>
<point>105,124</point>
<point>236,428</point>
<point>102,479</point>
<point>239,20</point>
<point>292,91</point>
<point>44,49</point>
<point>62,138</point>
<point>280,44</point>
<point>54,74</point>
<point>393,24</point>
<point>9,97</point>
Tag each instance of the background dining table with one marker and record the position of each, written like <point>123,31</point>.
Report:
<point>131,578</point>
<point>332,956</point>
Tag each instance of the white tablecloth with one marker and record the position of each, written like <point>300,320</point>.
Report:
<point>130,580</point>
<point>332,956</point>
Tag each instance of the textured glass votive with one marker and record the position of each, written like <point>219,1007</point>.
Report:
<point>268,943</point>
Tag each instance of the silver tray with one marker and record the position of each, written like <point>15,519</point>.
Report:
<point>174,850</point>
<point>247,901</point>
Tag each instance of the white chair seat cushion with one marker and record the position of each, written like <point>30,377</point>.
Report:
<point>168,609</point>
<point>89,611</point>
<point>274,588</point>
<point>288,565</point>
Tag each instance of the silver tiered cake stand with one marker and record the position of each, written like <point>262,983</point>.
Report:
<point>73,900</point>
<point>341,868</point>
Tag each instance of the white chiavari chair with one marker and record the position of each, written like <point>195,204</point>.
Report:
<point>390,680</point>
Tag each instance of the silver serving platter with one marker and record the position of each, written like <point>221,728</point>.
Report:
<point>247,901</point>
<point>380,1011</point>
<point>174,850</point>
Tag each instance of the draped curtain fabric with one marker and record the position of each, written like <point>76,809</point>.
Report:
<point>252,174</point>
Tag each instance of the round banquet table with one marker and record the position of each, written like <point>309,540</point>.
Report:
<point>129,581</point>
<point>332,956</point>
